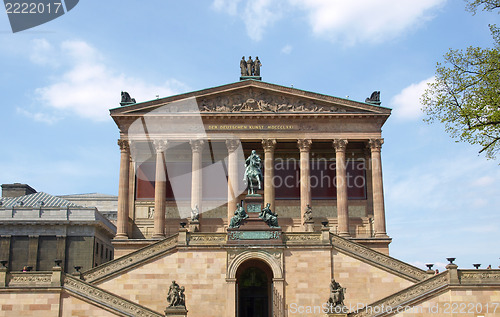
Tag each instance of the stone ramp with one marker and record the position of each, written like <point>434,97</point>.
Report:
<point>105,299</point>
<point>378,259</point>
<point>130,260</point>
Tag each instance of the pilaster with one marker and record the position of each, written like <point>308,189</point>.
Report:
<point>197,175</point>
<point>232,181</point>
<point>341,184</point>
<point>304,146</point>
<point>160,190</point>
<point>269,197</point>
<point>123,191</point>
<point>378,189</point>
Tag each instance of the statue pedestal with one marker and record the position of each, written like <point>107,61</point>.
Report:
<point>250,77</point>
<point>194,226</point>
<point>309,226</point>
<point>254,204</point>
<point>176,311</point>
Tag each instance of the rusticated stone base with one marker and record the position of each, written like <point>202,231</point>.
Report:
<point>175,311</point>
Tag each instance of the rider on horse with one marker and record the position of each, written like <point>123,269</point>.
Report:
<point>253,171</point>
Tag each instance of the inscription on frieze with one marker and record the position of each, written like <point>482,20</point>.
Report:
<point>254,235</point>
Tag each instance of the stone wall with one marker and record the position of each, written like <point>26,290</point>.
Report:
<point>202,273</point>
<point>307,275</point>
<point>32,303</point>
<point>365,283</point>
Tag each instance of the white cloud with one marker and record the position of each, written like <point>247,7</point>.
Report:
<point>347,22</point>
<point>483,181</point>
<point>88,87</point>
<point>287,49</point>
<point>406,104</point>
<point>39,116</point>
<point>354,21</point>
<point>258,15</point>
<point>228,6</point>
<point>42,53</point>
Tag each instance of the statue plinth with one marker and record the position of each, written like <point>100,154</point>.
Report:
<point>250,77</point>
<point>309,226</point>
<point>194,226</point>
<point>253,203</point>
<point>176,311</point>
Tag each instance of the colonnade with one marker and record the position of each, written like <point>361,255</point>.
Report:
<point>268,145</point>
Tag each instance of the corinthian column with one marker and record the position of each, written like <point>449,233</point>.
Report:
<point>341,184</point>
<point>269,145</point>
<point>122,213</point>
<point>305,188</point>
<point>160,190</point>
<point>378,188</point>
<point>196,174</point>
<point>232,180</point>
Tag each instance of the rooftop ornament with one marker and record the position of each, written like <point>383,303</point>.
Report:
<point>250,69</point>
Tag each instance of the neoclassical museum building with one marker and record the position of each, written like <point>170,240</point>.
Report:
<point>185,214</point>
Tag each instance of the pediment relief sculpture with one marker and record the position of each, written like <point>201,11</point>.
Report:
<point>264,103</point>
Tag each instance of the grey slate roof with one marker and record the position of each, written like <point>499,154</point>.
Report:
<point>39,199</point>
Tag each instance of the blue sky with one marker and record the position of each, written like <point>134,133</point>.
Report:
<point>58,81</point>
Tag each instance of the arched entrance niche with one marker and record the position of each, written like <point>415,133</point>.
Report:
<point>264,267</point>
<point>254,289</point>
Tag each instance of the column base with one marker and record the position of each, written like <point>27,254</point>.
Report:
<point>121,236</point>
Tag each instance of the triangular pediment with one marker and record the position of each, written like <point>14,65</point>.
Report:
<point>251,96</point>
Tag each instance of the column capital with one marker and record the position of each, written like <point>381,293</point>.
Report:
<point>375,144</point>
<point>197,145</point>
<point>160,145</point>
<point>232,144</point>
<point>268,144</point>
<point>340,145</point>
<point>124,145</point>
<point>304,145</point>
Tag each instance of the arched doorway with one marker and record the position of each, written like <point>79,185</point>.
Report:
<point>254,288</point>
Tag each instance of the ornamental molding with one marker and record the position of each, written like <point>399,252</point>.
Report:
<point>405,297</point>
<point>273,258</point>
<point>206,238</point>
<point>268,144</point>
<point>124,145</point>
<point>130,260</point>
<point>107,299</point>
<point>375,144</point>
<point>378,259</point>
<point>340,145</point>
<point>479,276</point>
<point>304,145</point>
<point>232,145</point>
<point>197,145</point>
<point>302,238</point>
<point>29,279</point>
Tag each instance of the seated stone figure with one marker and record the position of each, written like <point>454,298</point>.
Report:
<point>269,217</point>
<point>239,215</point>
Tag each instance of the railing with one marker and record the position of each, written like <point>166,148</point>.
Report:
<point>404,297</point>
<point>378,259</point>
<point>107,299</point>
<point>130,260</point>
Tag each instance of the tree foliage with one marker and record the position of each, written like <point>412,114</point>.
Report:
<point>466,93</point>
